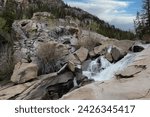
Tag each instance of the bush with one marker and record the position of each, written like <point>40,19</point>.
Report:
<point>48,55</point>
<point>6,62</point>
<point>2,22</point>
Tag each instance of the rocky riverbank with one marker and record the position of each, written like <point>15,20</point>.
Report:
<point>50,56</point>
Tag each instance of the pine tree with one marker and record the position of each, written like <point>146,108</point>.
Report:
<point>142,21</point>
<point>146,13</point>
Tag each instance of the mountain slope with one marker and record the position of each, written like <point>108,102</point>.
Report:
<point>18,9</point>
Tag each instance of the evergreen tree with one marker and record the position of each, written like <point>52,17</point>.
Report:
<point>146,13</point>
<point>142,21</point>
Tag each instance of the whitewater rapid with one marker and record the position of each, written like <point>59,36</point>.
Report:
<point>107,70</point>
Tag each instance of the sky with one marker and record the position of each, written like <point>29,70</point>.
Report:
<point>116,12</point>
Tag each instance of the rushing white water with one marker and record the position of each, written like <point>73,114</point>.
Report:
<point>75,82</point>
<point>107,70</point>
<point>109,49</point>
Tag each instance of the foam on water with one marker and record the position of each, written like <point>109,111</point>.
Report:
<point>107,70</point>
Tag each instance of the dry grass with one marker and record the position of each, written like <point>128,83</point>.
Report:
<point>48,56</point>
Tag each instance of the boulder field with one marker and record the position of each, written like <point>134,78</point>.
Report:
<point>51,54</point>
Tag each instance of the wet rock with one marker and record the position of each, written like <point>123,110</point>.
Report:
<point>86,81</point>
<point>109,57</point>
<point>78,74</point>
<point>137,87</point>
<point>82,54</point>
<point>117,53</point>
<point>24,72</point>
<point>137,48</point>
<point>86,64</point>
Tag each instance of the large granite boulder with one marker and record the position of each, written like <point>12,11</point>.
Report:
<point>82,54</point>
<point>117,53</point>
<point>24,72</point>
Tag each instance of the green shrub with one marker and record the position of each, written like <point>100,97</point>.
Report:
<point>6,62</point>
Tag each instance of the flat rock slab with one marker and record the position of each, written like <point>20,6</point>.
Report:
<point>135,87</point>
<point>13,91</point>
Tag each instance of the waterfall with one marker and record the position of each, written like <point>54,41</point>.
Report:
<point>107,70</point>
<point>75,82</point>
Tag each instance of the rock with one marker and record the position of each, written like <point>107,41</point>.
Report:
<point>24,61</point>
<point>46,76</point>
<point>124,44</point>
<point>82,54</point>
<point>88,42</point>
<point>135,87</point>
<point>78,74</point>
<point>12,91</point>
<point>74,42</point>
<point>18,56</point>
<point>86,64</point>
<point>73,59</point>
<point>108,56</point>
<point>131,71</point>
<point>117,53</point>
<point>28,25</point>
<point>98,38</point>
<point>41,15</point>
<point>92,54</point>
<point>24,72</point>
<point>86,81</point>
<point>71,66</point>
<point>73,62</point>
<point>50,88</point>
<point>137,48</point>
<point>72,30</point>
<point>101,50</point>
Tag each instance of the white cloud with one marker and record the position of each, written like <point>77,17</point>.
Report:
<point>112,11</point>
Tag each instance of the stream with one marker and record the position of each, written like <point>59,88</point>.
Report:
<point>107,70</point>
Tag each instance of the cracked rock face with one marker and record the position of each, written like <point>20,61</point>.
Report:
<point>39,39</point>
<point>133,83</point>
